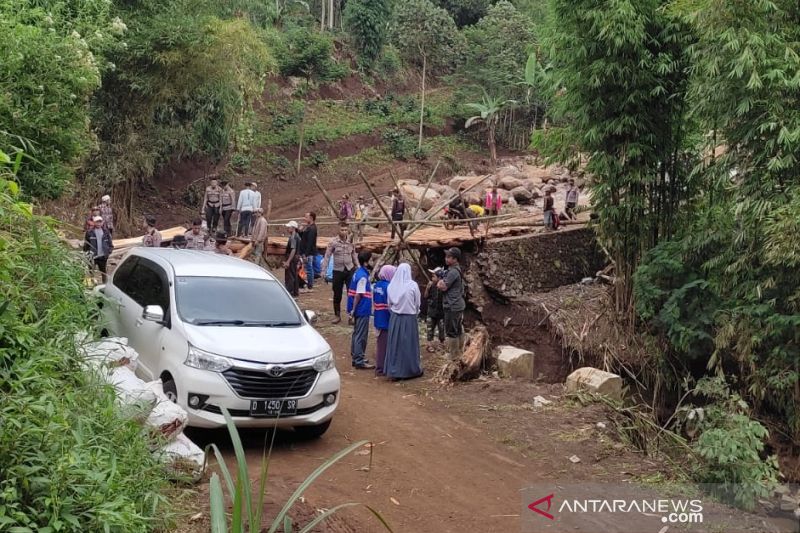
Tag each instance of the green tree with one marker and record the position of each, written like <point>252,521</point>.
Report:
<point>623,70</point>
<point>427,37</point>
<point>308,54</point>
<point>489,110</point>
<point>367,21</point>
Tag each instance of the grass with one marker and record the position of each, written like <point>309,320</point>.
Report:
<point>247,509</point>
<point>330,120</point>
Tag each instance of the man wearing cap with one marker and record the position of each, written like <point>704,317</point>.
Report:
<point>221,244</point>
<point>179,242</point>
<point>343,254</point>
<point>292,258</point>
<point>196,239</point>
<point>259,237</point>
<point>246,205</point>
<point>452,286</point>
<point>212,200</point>
<point>227,204</point>
<point>107,213</point>
<point>152,237</point>
<point>98,241</point>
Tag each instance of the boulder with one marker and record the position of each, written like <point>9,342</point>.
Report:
<point>536,193</point>
<point>595,381</point>
<point>463,182</point>
<point>522,195</point>
<point>508,170</point>
<point>514,362</point>
<point>414,196</point>
<point>509,183</point>
<point>407,182</point>
<point>532,183</point>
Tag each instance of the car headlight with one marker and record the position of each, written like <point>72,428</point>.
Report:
<point>198,358</point>
<point>324,362</point>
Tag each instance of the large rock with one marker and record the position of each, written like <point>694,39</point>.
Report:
<point>522,195</point>
<point>414,196</point>
<point>595,381</point>
<point>407,182</point>
<point>508,170</point>
<point>532,184</point>
<point>514,362</point>
<point>464,182</point>
<point>509,183</point>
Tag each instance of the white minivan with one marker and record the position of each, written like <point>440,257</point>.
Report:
<point>222,332</point>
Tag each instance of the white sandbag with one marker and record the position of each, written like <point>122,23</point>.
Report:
<point>167,418</point>
<point>133,395</point>
<point>183,458</point>
<point>111,352</point>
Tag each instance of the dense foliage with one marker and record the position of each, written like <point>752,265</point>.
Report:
<point>465,12</point>
<point>68,461</point>
<point>368,23</point>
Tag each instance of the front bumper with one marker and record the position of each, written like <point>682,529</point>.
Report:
<point>311,408</point>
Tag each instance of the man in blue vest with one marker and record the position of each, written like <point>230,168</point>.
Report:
<point>359,309</point>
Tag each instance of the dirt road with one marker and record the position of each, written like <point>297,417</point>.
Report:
<point>445,459</point>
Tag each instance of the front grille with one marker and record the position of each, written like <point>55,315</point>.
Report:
<point>260,385</point>
<point>211,408</point>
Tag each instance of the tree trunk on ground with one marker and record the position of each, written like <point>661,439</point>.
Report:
<point>472,360</point>
<point>422,99</point>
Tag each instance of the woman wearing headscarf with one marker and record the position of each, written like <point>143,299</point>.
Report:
<point>380,304</point>
<point>402,348</point>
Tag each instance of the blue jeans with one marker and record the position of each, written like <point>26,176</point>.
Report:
<point>548,219</point>
<point>358,347</point>
<point>309,266</point>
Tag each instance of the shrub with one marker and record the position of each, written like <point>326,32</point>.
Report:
<point>69,462</point>
<point>317,159</point>
<point>389,62</point>
<point>401,144</point>
<point>366,22</point>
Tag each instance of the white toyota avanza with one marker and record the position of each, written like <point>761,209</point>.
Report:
<point>222,332</point>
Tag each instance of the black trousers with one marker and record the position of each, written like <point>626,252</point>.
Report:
<point>397,228</point>
<point>341,279</point>
<point>101,263</point>
<point>290,278</point>
<point>226,221</point>
<point>212,218</point>
<point>244,223</point>
<point>453,323</point>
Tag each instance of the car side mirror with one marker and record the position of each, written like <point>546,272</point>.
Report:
<point>311,316</point>
<point>153,313</point>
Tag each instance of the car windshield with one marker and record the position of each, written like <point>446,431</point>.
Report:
<point>207,301</point>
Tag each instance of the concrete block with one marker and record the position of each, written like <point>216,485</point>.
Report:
<point>595,381</point>
<point>514,362</point>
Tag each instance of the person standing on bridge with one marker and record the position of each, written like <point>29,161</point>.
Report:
<point>211,203</point>
<point>246,205</point>
<point>571,200</point>
<point>98,243</point>
<point>227,204</point>
<point>549,209</point>
<point>398,212</point>
<point>359,309</point>
<point>343,254</point>
<point>452,287</point>
<point>346,211</point>
<point>402,347</point>
<point>260,238</point>
<point>380,303</point>
<point>107,212</point>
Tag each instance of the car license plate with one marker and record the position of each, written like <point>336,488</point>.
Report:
<point>273,408</point>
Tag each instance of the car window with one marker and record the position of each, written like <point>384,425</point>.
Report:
<point>146,285</point>
<point>123,273</point>
<point>217,301</point>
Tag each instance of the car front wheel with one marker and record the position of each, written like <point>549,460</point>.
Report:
<point>312,432</point>
<point>170,389</point>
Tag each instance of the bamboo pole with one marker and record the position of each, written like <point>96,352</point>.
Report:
<point>427,186</point>
<point>316,181</point>
<point>423,271</point>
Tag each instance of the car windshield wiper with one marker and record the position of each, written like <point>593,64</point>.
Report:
<point>274,324</point>
<point>219,322</point>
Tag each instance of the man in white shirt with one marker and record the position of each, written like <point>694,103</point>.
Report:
<point>245,206</point>
<point>256,203</point>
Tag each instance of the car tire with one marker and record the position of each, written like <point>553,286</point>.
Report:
<point>312,432</point>
<point>170,389</point>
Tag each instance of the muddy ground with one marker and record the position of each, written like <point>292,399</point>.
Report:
<point>447,458</point>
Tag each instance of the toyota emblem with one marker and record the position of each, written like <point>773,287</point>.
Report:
<point>276,371</point>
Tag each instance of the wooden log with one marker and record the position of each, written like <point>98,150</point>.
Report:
<point>472,360</point>
<point>246,251</point>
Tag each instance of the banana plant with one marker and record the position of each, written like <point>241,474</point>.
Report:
<point>247,512</point>
<point>489,110</point>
